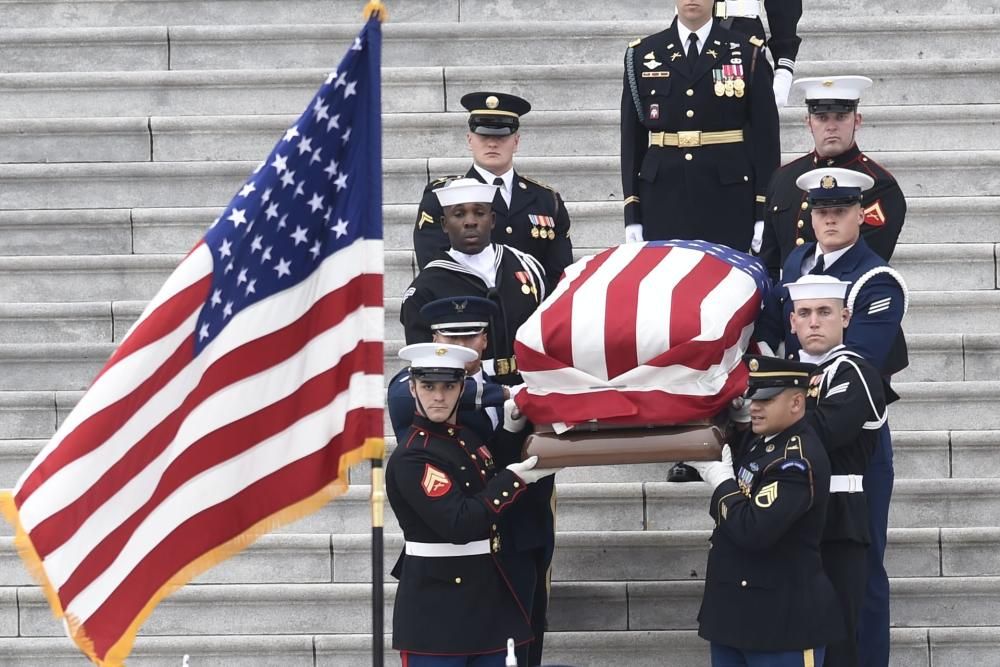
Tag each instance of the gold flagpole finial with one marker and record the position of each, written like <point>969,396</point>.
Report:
<point>377,9</point>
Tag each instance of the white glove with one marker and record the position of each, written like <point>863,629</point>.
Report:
<point>527,471</point>
<point>716,472</point>
<point>739,410</point>
<point>782,85</point>
<point>758,236</point>
<point>633,234</point>
<point>513,420</point>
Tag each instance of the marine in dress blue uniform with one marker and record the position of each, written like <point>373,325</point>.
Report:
<point>454,604</point>
<point>767,600</point>
<point>846,408</point>
<point>699,135</point>
<point>877,299</point>
<point>530,215</point>
<point>787,216</point>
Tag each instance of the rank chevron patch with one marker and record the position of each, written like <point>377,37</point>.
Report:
<point>435,482</point>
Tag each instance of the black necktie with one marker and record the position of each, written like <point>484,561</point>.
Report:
<point>692,48</point>
<point>498,181</point>
<point>818,269</point>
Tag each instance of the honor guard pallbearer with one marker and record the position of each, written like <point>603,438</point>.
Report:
<point>767,600</point>
<point>699,132</point>
<point>454,604</point>
<point>530,215</point>
<point>833,120</point>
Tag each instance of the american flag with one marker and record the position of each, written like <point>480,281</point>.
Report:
<point>238,400</point>
<point>649,333</point>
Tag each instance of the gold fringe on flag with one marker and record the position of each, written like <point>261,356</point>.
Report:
<point>370,448</point>
<point>377,9</point>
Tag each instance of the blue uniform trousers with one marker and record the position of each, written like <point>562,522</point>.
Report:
<point>727,656</point>
<point>486,660</point>
<point>873,624</point>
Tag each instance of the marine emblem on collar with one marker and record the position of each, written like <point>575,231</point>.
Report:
<point>460,306</point>
<point>754,365</point>
<point>492,102</point>
<point>828,182</point>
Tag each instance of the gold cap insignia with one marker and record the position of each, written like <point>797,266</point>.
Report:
<point>441,351</point>
<point>754,365</point>
<point>492,102</point>
<point>828,183</point>
<point>828,83</point>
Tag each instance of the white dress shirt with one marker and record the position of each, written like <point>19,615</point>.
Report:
<point>702,32</point>
<point>508,181</point>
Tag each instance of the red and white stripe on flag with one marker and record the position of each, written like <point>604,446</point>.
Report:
<point>241,396</point>
<point>641,334</point>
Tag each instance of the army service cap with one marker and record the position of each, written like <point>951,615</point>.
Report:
<point>832,186</point>
<point>466,191</point>
<point>832,93</point>
<point>769,376</point>
<point>817,287</point>
<point>459,315</point>
<point>437,362</point>
<point>496,114</point>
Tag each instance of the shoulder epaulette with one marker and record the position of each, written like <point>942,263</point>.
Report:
<point>634,43</point>
<point>538,183</point>
<point>439,182</point>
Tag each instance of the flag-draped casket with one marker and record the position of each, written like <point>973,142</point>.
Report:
<point>649,333</point>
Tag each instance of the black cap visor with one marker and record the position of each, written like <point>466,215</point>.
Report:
<point>438,374</point>
<point>493,125</point>
<point>832,106</point>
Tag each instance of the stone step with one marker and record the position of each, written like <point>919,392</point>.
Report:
<point>911,647</point>
<point>583,178</point>
<point>425,89</point>
<point>273,559</point>
<point>579,606</point>
<point>594,225</point>
<point>192,47</point>
<point>53,13</point>
<point>418,135</point>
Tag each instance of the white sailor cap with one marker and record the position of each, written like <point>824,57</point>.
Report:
<point>817,287</point>
<point>833,186</point>
<point>437,361</point>
<point>466,191</point>
<point>832,93</point>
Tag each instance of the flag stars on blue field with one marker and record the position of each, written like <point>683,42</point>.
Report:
<point>296,208</point>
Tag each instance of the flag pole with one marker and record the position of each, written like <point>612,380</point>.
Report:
<point>376,9</point>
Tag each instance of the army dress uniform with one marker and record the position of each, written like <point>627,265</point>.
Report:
<point>846,408</point>
<point>699,140</point>
<point>783,16</point>
<point>448,495</point>
<point>536,222</point>
<point>518,287</point>
<point>765,587</point>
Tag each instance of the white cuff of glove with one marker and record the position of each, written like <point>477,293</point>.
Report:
<point>782,86</point>
<point>716,472</point>
<point>758,236</point>
<point>527,471</point>
<point>513,420</point>
<point>633,233</point>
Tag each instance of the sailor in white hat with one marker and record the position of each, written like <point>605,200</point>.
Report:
<point>475,266</point>
<point>833,120</point>
<point>846,407</point>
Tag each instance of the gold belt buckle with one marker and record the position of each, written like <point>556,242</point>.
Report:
<point>505,365</point>
<point>689,139</point>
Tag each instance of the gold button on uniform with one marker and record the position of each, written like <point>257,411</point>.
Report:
<point>510,230</point>
<point>688,156</point>
<point>504,494</point>
<point>496,501</point>
<point>690,92</point>
<point>743,583</point>
<point>799,241</point>
<point>690,113</point>
<point>458,580</point>
<point>805,205</point>
<point>517,484</point>
<point>802,223</point>
<point>746,179</point>
<point>775,208</point>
